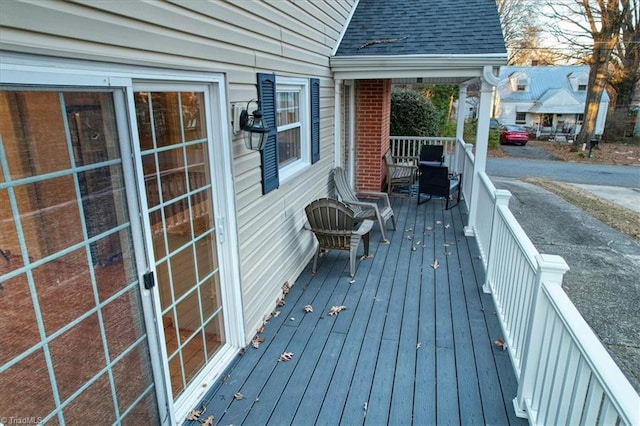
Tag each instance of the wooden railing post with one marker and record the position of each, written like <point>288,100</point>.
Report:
<point>551,269</point>
<point>501,198</point>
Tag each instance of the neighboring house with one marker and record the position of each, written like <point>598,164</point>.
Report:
<point>549,99</point>
<point>470,108</point>
<point>142,245</point>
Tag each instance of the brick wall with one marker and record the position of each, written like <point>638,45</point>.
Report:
<point>373,107</point>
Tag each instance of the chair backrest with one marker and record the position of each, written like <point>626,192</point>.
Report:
<point>344,189</point>
<point>432,153</point>
<point>434,180</point>
<point>388,159</point>
<point>332,222</point>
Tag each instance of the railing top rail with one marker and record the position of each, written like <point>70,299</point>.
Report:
<point>425,138</point>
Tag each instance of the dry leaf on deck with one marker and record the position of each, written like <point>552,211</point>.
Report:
<point>447,253</point>
<point>195,414</point>
<point>308,308</point>
<point>500,343</point>
<point>438,222</point>
<point>286,356</point>
<point>366,256</point>
<point>208,421</point>
<point>285,288</point>
<point>435,264</point>
<point>281,302</point>
<point>447,226</point>
<point>275,314</point>
<point>418,345</point>
<point>238,395</point>
<point>428,228</point>
<point>409,237</point>
<point>336,309</point>
<point>260,329</point>
<point>256,341</point>
<point>408,230</point>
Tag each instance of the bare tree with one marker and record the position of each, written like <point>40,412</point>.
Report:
<point>591,30</point>
<point>521,31</point>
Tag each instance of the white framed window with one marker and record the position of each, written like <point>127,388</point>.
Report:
<point>521,117</point>
<point>293,123</point>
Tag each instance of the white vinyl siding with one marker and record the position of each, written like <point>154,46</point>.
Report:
<point>295,39</point>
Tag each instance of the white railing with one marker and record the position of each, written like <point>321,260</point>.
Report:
<point>464,164</point>
<point>565,375</point>
<point>407,148</point>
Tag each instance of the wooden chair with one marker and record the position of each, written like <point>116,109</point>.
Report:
<point>332,223</point>
<point>432,153</point>
<point>398,174</point>
<point>362,210</point>
<point>436,180</point>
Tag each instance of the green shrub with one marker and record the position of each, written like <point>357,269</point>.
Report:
<point>412,114</point>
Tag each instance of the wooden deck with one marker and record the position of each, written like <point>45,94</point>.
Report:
<point>415,345</point>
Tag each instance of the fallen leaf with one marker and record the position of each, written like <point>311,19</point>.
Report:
<point>256,341</point>
<point>208,421</point>
<point>418,242</point>
<point>447,253</point>
<point>238,395</point>
<point>275,314</point>
<point>447,226</point>
<point>428,228</point>
<point>408,230</point>
<point>438,222</point>
<point>195,414</point>
<point>336,309</point>
<point>352,281</point>
<point>435,264</point>
<point>280,302</point>
<point>308,308</point>
<point>418,345</point>
<point>413,248</point>
<point>449,244</point>
<point>286,356</point>
<point>409,237</point>
<point>500,343</point>
<point>285,288</point>
<point>260,329</point>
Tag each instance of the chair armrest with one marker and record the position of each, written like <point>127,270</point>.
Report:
<point>365,227</point>
<point>403,166</point>
<point>382,195</point>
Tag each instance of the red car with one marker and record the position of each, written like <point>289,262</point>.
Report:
<point>513,134</point>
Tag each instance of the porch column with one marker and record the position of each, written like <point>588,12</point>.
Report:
<point>337,124</point>
<point>373,120</point>
<point>462,111</point>
<point>482,141</point>
<point>462,102</point>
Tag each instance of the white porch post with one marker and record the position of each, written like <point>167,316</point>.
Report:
<point>482,142</point>
<point>462,102</point>
<point>337,121</point>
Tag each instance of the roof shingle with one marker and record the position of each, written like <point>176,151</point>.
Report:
<point>423,27</point>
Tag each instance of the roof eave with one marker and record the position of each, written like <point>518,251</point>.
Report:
<point>406,66</point>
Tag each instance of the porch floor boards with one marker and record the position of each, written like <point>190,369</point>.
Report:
<point>413,346</point>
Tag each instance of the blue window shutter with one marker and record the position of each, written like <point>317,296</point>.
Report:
<point>315,120</point>
<point>267,97</point>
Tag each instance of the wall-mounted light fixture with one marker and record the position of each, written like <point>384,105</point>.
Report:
<point>255,130</point>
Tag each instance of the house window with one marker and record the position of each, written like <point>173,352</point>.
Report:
<point>579,118</point>
<point>521,117</point>
<point>292,120</point>
<point>582,87</point>
<point>521,82</point>
<point>293,106</point>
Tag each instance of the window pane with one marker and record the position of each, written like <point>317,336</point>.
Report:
<point>287,107</point>
<point>289,146</point>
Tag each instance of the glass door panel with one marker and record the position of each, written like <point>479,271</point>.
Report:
<point>73,343</point>
<point>175,161</point>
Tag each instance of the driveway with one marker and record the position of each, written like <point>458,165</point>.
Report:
<point>605,264</point>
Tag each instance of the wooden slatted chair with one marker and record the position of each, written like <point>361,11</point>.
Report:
<point>333,224</point>
<point>377,208</point>
<point>399,174</point>
<point>436,180</point>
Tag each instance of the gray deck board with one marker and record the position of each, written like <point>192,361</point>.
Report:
<point>414,345</point>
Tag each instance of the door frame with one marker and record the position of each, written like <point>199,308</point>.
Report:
<point>34,70</point>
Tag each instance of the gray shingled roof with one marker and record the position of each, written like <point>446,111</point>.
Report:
<point>423,27</point>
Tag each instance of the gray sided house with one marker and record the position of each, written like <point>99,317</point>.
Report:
<point>142,244</point>
<point>549,99</point>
